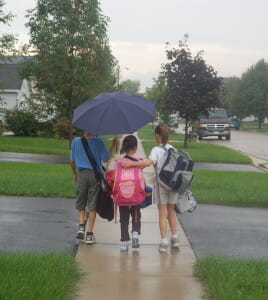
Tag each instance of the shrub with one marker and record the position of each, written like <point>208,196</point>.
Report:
<point>22,123</point>
<point>63,128</point>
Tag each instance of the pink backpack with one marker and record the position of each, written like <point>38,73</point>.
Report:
<point>129,187</point>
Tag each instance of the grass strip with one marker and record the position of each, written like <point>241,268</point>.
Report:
<point>231,187</point>
<point>34,145</point>
<point>209,186</point>
<point>206,152</point>
<point>147,133</point>
<point>40,180</point>
<point>31,276</point>
<point>39,145</point>
<point>233,279</point>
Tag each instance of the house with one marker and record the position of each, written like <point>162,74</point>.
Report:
<point>13,88</point>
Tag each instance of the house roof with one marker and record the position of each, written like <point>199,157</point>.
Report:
<point>9,75</point>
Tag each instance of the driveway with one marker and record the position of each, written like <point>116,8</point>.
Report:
<point>252,143</point>
<point>225,230</point>
<point>37,224</point>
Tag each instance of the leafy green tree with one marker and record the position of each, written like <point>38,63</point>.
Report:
<point>231,98</point>
<point>7,41</point>
<point>192,86</point>
<point>72,60</point>
<point>130,86</point>
<point>155,93</point>
<point>254,91</point>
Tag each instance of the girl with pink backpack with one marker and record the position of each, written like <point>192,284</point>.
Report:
<point>128,193</point>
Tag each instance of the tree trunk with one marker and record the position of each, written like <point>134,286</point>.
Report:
<point>186,134</point>
<point>259,122</point>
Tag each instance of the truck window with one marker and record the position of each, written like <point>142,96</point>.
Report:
<point>216,114</point>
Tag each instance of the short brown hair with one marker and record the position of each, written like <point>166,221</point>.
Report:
<point>163,130</point>
<point>129,143</point>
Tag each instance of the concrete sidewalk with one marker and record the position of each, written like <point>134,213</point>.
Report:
<point>138,274</point>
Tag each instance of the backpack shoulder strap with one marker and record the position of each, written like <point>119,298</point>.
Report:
<point>91,158</point>
<point>131,158</point>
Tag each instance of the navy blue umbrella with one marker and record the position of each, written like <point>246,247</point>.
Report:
<point>114,113</point>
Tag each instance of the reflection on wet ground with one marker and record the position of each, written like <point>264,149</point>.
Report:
<point>37,224</point>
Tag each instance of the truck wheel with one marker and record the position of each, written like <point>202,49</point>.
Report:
<point>200,137</point>
<point>219,137</point>
<point>228,137</point>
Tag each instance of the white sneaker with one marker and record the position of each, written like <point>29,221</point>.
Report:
<point>174,243</point>
<point>135,240</point>
<point>124,246</point>
<point>90,239</point>
<point>163,247</point>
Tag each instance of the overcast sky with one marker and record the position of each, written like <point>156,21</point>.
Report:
<point>233,33</point>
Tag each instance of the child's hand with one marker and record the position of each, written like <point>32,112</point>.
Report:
<point>126,164</point>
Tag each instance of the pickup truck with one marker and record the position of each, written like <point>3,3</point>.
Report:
<point>216,123</point>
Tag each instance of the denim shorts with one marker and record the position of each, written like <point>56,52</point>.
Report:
<point>87,190</point>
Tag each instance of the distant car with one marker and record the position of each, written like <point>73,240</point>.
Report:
<point>173,122</point>
<point>234,123</point>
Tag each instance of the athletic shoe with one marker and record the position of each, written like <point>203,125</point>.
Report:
<point>174,243</point>
<point>135,240</point>
<point>163,247</point>
<point>90,239</point>
<point>124,246</point>
<point>81,231</point>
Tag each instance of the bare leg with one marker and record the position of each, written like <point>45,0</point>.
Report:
<point>172,220</point>
<point>163,214</point>
<point>81,214</point>
<point>91,220</point>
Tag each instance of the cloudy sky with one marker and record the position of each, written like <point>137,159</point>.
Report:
<point>233,33</point>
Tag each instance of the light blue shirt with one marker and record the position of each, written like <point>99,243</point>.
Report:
<point>96,146</point>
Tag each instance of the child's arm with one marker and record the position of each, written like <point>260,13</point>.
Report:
<point>140,163</point>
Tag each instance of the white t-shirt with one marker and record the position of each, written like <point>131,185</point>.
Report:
<point>157,155</point>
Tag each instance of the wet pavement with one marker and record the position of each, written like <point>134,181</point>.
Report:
<point>252,143</point>
<point>226,167</point>
<point>34,158</point>
<point>37,224</point>
<point>226,230</point>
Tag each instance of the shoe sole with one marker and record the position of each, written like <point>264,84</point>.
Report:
<point>90,243</point>
<point>175,246</point>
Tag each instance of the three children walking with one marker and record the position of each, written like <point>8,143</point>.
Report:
<point>129,188</point>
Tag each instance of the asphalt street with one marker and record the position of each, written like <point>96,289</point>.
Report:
<point>37,224</point>
<point>226,230</point>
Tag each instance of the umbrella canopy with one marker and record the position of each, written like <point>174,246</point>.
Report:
<point>114,113</point>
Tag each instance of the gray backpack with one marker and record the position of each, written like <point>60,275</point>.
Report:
<point>176,171</point>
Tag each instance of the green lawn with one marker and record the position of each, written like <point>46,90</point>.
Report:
<point>206,152</point>
<point>32,276</point>
<point>253,125</point>
<point>147,133</point>
<point>233,279</point>
<point>41,180</point>
<point>231,187</point>
<point>39,145</point>
<point>209,186</point>
<point>34,145</point>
